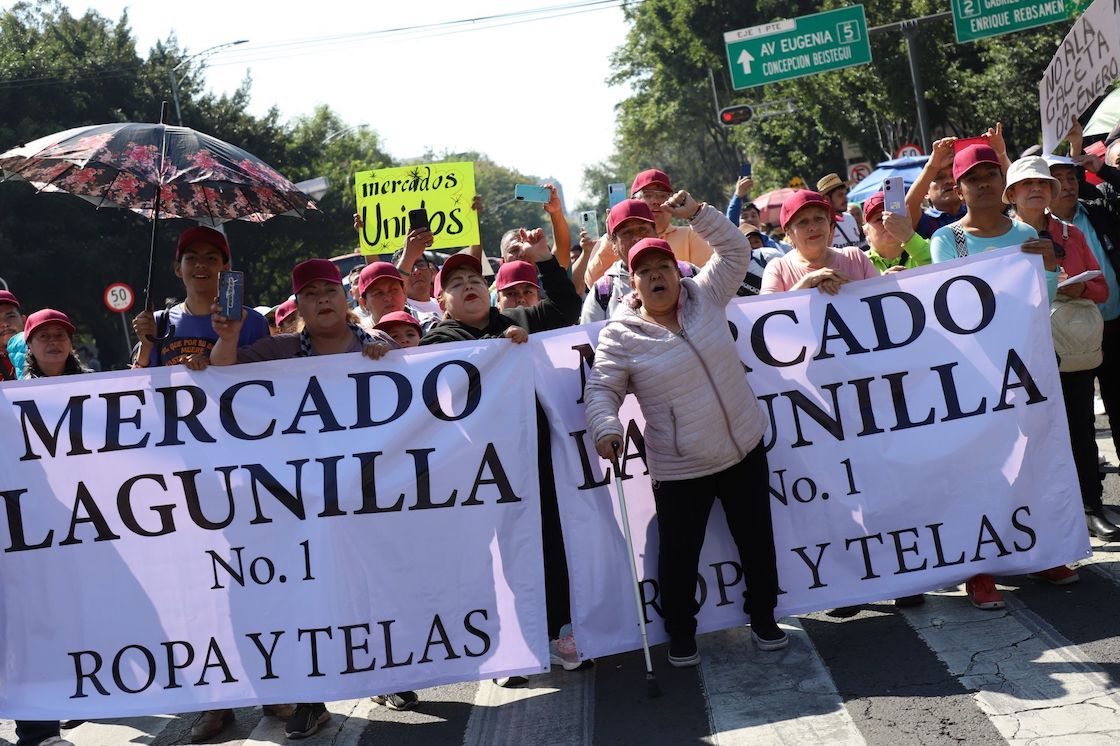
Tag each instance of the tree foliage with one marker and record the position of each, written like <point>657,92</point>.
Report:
<point>669,120</point>
<point>59,71</point>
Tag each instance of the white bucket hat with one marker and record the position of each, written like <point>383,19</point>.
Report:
<point>1031,167</point>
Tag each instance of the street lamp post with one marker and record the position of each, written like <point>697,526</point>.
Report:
<point>344,131</point>
<point>175,70</point>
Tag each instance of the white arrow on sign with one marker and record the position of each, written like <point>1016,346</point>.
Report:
<point>745,60</point>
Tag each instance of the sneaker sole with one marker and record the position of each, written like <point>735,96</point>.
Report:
<point>989,605</point>
<point>325,717</point>
<point>686,662</point>
<point>1064,581</point>
<point>769,645</point>
<point>568,665</point>
<point>511,682</point>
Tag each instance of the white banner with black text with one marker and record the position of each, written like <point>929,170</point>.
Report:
<point>301,530</point>
<point>917,437</point>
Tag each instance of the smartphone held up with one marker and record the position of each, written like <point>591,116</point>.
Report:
<point>532,193</point>
<point>589,222</point>
<point>231,293</point>
<point>894,195</point>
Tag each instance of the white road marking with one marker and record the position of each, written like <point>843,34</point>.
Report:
<point>760,698</point>
<point>1031,682</point>
<point>553,707</point>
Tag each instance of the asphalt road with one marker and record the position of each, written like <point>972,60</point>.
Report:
<point>1044,670</point>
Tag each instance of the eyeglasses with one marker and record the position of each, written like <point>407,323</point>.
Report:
<point>652,195</point>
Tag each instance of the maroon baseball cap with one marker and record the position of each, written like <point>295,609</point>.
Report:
<point>648,177</point>
<point>312,270</point>
<point>371,273</point>
<point>9,298</point>
<point>971,157</point>
<point>873,205</point>
<point>397,317</point>
<point>647,245</point>
<point>515,273</point>
<point>46,316</point>
<point>284,310</point>
<point>454,262</point>
<point>202,234</point>
<point>799,200</point>
<point>628,209</point>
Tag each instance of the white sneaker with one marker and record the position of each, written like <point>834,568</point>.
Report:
<point>563,652</point>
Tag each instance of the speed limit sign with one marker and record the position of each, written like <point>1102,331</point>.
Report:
<point>119,297</point>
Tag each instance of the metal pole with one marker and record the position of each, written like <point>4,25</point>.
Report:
<point>910,29</point>
<point>715,97</point>
<point>127,338</point>
<point>175,96</point>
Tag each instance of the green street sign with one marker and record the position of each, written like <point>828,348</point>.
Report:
<point>796,47</point>
<point>979,19</point>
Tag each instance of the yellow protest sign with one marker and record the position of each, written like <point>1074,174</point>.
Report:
<point>445,190</point>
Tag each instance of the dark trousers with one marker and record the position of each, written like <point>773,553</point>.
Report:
<point>34,732</point>
<point>557,596</point>
<point>682,517</point>
<point>1108,374</point>
<point>1077,390</point>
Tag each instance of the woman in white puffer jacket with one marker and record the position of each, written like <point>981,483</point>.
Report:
<point>671,347</point>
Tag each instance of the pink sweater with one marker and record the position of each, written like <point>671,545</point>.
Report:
<point>784,272</point>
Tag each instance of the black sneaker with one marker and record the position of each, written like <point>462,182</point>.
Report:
<point>766,633</point>
<point>508,682</point>
<point>305,721</point>
<point>397,701</point>
<point>906,602</point>
<point>683,652</point>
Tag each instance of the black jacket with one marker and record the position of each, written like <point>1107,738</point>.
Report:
<point>559,309</point>
<point>1102,205</point>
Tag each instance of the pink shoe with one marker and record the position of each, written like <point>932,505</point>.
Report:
<point>564,652</point>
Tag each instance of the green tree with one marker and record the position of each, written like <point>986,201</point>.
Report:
<point>59,71</point>
<point>669,120</point>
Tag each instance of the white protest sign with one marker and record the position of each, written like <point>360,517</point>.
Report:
<point>294,531</point>
<point>916,438</point>
<point>1086,63</point>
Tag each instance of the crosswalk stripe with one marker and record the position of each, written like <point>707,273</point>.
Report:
<point>358,714</point>
<point>123,730</point>
<point>554,707</point>
<point>1032,682</point>
<point>269,730</point>
<point>783,697</point>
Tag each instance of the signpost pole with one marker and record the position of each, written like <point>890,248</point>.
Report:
<point>127,338</point>
<point>910,29</point>
<point>715,96</point>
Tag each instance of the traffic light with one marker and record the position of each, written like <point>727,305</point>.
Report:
<point>735,115</point>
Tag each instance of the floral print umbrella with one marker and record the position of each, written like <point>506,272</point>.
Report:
<point>118,165</point>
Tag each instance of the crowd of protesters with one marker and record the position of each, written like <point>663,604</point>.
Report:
<point>661,278</point>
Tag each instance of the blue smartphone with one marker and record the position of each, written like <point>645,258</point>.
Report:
<point>231,293</point>
<point>744,169</point>
<point>615,194</point>
<point>532,193</point>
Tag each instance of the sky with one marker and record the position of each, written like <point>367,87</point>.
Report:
<point>531,95</point>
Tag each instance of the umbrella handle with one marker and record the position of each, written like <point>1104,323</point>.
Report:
<point>164,112</point>
<point>158,338</point>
